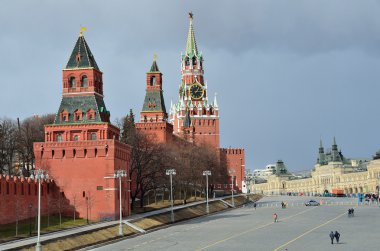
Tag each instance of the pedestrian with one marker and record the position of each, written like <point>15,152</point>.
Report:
<point>337,236</point>
<point>254,205</point>
<point>275,216</point>
<point>332,235</point>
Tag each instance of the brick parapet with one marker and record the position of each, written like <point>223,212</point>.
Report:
<point>17,194</point>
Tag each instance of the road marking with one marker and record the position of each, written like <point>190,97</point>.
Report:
<point>251,230</point>
<point>311,230</point>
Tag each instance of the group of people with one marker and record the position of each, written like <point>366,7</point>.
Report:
<point>351,212</point>
<point>335,235</point>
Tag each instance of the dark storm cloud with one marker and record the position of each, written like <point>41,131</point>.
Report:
<point>286,72</point>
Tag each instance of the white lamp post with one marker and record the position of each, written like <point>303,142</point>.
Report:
<point>120,174</point>
<point>39,175</point>
<point>231,171</point>
<point>207,173</point>
<point>171,172</point>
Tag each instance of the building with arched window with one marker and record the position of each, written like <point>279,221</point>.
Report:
<point>332,172</point>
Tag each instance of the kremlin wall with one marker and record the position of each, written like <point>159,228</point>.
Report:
<point>82,151</point>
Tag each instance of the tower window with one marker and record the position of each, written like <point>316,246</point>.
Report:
<point>59,137</point>
<point>84,82</point>
<point>194,61</point>
<point>76,138</point>
<point>153,81</point>
<point>187,62</point>
<point>93,136</point>
<point>72,82</point>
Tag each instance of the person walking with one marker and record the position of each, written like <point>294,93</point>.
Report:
<point>337,236</point>
<point>332,235</point>
<point>275,217</point>
<point>254,205</point>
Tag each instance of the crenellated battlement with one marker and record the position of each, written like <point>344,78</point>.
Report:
<point>19,196</point>
<point>233,151</point>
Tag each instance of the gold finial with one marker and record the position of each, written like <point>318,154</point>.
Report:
<point>82,29</point>
<point>191,15</point>
<point>155,57</point>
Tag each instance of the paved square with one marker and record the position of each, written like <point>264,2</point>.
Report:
<point>299,228</point>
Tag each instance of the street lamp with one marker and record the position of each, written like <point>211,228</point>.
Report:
<point>231,171</point>
<point>171,172</point>
<point>207,173</point>
<point>120,174</point>
<point>39,175</point>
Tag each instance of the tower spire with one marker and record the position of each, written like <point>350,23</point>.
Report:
<point>191,45</point>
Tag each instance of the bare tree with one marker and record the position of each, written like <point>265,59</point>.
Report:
<point>8,145</point>
<point>29,131</point>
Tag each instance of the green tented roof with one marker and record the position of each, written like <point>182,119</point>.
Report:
<point>83,103</point>
<point>154,67</point>
<point>191,45</point>
<point>81,57</point>
<point>156,100</point>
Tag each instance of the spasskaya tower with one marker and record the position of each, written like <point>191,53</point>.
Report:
<point>194,117</point>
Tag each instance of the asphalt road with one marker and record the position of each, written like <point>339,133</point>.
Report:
<point>299,228</point>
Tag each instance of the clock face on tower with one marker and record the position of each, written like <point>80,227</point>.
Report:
<point>196,91</point>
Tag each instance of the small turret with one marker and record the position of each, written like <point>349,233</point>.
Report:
<point>335,156</point>
<point>321,155</point>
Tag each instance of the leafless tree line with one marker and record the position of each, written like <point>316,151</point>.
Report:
<point>149,161</point>
<point>16,143</point>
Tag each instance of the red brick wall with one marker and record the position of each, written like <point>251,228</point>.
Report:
<point>160,132</point>
<point>83,170</point>
<point>17,193</point>
<point>235,160</point>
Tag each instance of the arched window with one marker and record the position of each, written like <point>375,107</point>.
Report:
<point>194,61</point>
<point>84,82</point>
<point>76,138</point>
<point>153,81</point>
<point>72,82</point>
<point>74,152</point>
<point>187,62</point>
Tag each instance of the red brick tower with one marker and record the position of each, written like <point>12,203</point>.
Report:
<point>194,117</point>
<point>153,117</point>
<point>82,149</point>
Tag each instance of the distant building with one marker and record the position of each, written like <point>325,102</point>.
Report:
<point>332,171</point>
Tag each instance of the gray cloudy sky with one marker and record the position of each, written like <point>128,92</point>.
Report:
<point>287,73</point>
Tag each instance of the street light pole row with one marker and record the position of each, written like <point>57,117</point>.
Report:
<point>171,172</point>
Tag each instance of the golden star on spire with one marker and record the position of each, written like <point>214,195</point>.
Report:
<point>155,57</point>
<point>82,29</point>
